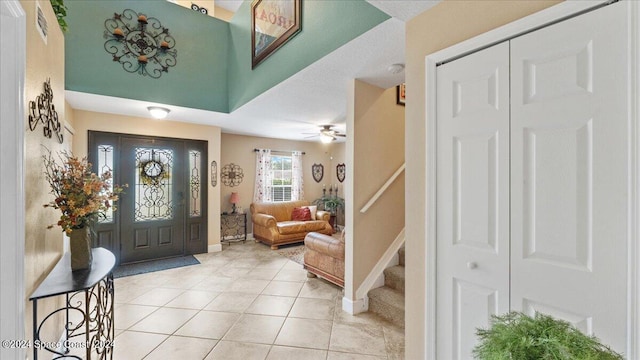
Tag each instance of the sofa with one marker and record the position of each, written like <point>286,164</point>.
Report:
<point>272,223</point>
<point>324,257</point>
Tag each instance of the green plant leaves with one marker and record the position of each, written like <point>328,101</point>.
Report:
<point>516,336</point>
<point>61,12</point>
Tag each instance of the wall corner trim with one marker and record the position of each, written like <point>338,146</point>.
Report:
<point>214,248</point>
<point>356,306</point>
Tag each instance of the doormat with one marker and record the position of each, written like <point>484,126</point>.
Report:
<point>294,252</point>
<point>154,265</point>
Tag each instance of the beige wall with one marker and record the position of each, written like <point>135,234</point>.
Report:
<point>338,156</point>
<point>86,120</point>
<point>43,247</point>
<point>223,14</point>
<point>376,150</point>
<point>238,149</point>
<point>446,24</point>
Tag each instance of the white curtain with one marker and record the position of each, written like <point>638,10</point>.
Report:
<point>262,190</point>
<point>297,184</point>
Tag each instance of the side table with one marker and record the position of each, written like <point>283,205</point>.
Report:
<point>233,227</point>
<point>89,294</point>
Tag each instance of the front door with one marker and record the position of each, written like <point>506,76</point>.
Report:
<point>162,212</point>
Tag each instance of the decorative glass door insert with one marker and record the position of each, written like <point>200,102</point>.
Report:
<point>153,184</point>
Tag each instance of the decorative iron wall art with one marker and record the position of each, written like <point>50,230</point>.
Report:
<point>194,183</point>
<point>214,173</point>
<point>317,171</point>
<point>153,186</point>
<point>340,171</point>
<point>140,43</point>
<point>42,111</point>
<point>231,175</point>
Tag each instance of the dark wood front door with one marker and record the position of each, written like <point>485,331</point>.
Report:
<point>162,212</point>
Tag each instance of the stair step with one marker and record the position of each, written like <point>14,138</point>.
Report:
<point>388,303</point>
<point>394,278</point>
<point>401,255</point>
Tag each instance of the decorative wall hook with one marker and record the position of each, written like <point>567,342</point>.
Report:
<point>140,43</point>
<point>42,111</point>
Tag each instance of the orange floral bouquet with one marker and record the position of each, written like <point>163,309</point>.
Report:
<point>81,196</point>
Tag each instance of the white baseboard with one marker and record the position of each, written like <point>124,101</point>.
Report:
<point>250,236</point>
<point>214,248</point>
<point>355,306</point>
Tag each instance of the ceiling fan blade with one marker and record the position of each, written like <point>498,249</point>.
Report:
<point>341,135</point>
<point>312,136</point>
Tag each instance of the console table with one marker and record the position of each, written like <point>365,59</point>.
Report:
<point>89,294</point>
<point>233,227</point>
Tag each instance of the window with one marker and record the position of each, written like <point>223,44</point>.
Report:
<point>281,175</point>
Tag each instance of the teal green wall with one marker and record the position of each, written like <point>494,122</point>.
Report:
<point>213,70</point>
<point>326,25</point>
<point>199,79</point>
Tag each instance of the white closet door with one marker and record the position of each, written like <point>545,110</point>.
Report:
<point>472,197</point>
<point>570,168</point>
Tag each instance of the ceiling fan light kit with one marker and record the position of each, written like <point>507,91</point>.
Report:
<point>327,134</point>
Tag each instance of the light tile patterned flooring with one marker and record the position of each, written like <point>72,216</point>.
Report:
<point>246,302</point>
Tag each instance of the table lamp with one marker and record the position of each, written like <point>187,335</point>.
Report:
<point>234,199</point>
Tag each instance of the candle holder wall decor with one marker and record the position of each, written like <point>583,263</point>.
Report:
<point>140,43</point>
<point>42,111</point>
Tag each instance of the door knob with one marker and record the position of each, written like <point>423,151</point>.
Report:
<point>472,265</point>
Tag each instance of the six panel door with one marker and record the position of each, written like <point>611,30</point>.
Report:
<point>472,197</point>
<point>570,172</point>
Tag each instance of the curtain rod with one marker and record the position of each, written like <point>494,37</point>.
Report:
<point>281,151</point>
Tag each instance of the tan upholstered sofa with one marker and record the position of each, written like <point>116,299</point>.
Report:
<point>324,257</point>
<point>272,223</point>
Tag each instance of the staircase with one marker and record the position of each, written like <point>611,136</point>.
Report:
<point>388,300</point>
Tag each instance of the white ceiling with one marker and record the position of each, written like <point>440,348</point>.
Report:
<point>315,96</point>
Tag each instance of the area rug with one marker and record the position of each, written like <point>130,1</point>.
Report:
<point>294,252</point>
<point>154,265</point>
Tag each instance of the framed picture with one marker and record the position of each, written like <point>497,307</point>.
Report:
<point>273,22</point>
<point>400,94</point>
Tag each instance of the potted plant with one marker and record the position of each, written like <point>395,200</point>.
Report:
<point>516,336</point>
<point>330,204</point>
<point>82,197</point>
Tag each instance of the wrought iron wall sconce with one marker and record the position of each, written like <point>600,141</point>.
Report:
<point>42,111</point>
<point>140,43</point>
<point>231,175</point>
<point>214,173</point>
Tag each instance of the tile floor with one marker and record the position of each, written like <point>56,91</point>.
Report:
<point>246,302</point>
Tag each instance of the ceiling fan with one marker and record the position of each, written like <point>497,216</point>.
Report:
<point>327,134</point>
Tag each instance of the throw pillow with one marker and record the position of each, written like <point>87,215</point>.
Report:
<point>313,210</point>
<point>301,214</point>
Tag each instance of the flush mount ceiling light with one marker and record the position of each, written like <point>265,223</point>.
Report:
<point>158,112</point>
<point>395,68</point>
